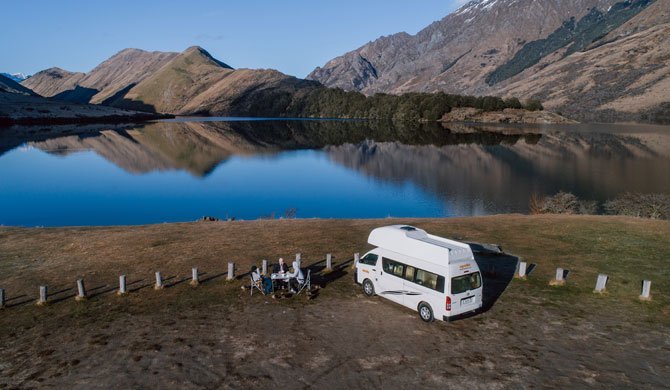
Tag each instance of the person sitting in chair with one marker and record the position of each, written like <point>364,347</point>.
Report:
<point>261,281</point>
<point>280,268</point>
<point>297,277</point>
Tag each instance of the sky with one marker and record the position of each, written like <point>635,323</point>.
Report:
<point>293,36</point>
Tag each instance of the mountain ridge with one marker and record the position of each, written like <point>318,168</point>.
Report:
<point>493,47</point>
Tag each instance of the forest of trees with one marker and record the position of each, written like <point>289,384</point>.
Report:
<point>323,102</point>
<point>337,103</point>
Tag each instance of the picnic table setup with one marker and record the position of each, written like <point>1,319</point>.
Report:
<point>282,280</point>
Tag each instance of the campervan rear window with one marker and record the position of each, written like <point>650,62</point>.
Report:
<point>463,283</point>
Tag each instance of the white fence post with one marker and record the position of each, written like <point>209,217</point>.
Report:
<point>298,258</point>
<point>265,267</point>
<point>329,261</point>
<point>601,283</point>
<point>523,266</point>
<point>159,282</point>
<point>194,277</point>
<point>43,296</point>
<point>231,271</point>
<point>81,291</point>
<point>646,290</point>
<point>122,285</point>
<point>559,281</point>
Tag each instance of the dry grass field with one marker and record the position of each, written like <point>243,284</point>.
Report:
<point>217,336</point>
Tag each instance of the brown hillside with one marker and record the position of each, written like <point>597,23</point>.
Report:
<point>196,83</point>
<point>53,81</point>
<point>113,76</point>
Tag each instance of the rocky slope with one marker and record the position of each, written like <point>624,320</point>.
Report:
<point>508,115</point>
<point>498,47</point>
<point>627,79</point>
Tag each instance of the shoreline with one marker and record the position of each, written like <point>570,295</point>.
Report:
<point>101,120</point>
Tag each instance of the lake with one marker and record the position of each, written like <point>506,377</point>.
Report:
<point>181,170</point>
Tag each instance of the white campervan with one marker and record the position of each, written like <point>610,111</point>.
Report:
<point>433,275</point>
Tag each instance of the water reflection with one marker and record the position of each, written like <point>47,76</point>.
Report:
<point>431,169</point>
<point>198,147</point>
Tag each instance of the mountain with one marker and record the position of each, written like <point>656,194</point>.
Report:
<point>624,75</point>
<point>187,83</point>
<point>495,46</point>
<point>194,82</point>
<point>9,85</point>
<point>18,77</point>
<point>20,105</point>
<point>114,76</point>
<point>52,81</point>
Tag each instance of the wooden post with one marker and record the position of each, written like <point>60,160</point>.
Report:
<point>646,290</point>
<point>601,283</point>
<point>81,291</point>
<point>231,271</point>
<point>265,267</point>
<point>122,285</point>
<point>329,261</point>
<point>194,277</point>
<point>159,282</point>
<point>2,298</point>
<point>357,258</point>
<point>523,266</point>
<point>559,281</point>
<point>43,296</point>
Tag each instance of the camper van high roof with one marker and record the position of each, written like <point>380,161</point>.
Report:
<point>418,243</point>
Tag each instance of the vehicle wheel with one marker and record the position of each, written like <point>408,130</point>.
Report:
<point>368,288</point>
<point>425,312</point>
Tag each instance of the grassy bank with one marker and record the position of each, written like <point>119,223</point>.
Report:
<point>626,249</point>
<point>217,336</point>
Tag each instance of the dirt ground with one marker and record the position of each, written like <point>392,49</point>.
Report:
<point>218,336</point>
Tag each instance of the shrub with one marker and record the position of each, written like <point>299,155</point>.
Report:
<point>534,105</point>
<point>654,206</point>
<point>562,203</point>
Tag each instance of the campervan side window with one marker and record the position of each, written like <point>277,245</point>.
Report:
<point>393,267</point>
<point>369,259</point>
<point>414,275</point>
<point>409,273</point>
<point>427,279</point>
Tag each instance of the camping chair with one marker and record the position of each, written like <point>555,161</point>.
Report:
<point>306,284</point>
<point>256,284</point>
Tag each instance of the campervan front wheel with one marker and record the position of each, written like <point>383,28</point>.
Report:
<point>425,312</point>
<point>368,288</point>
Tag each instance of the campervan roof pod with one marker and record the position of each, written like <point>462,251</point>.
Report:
<point>415,242</point>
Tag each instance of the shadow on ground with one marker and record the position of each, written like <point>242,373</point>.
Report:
<point>498,269</point>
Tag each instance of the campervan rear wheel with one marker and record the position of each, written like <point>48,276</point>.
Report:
<point>368,288</point>
<point>425,312</point>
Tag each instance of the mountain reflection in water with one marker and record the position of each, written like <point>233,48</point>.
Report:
<point>469,170</point>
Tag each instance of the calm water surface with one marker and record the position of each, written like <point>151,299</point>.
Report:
<point>183,170</point>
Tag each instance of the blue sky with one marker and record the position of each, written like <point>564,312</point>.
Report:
<point>293,36</point>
